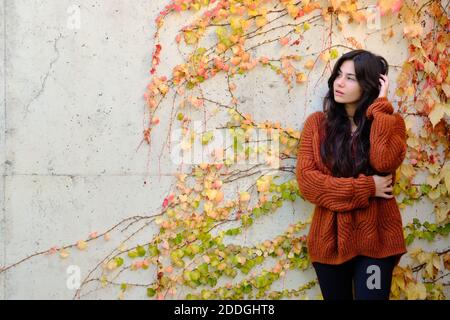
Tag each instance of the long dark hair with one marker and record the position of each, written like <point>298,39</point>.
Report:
<point>344,155</point>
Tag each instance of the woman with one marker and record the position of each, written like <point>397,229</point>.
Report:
<point>346,164</point>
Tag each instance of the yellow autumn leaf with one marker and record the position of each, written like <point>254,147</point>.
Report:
<point>412,30</point>
<point>413,141</point>
<point>263,184</point>
<point>235,23</point>
<point>298,29</point>
<point>260,21</point>
<point>334,53</point>
<point>385,6</point>
<point>309,64</point>
<point>293,10</point>
<point>446,174</point>
<point>446,88</point>
<point>300,77</point>
<point>432,265</point>
<point>410,122</point>
<point>82,245</point>
<point>111,265</point>
<point>63,253</point>
<point>429,67</point>
<point>433,180</point>
<point>336,4</point>
<point>219,197</point>
<point>244,196</point>
<point>416,291</point>
<point>211,194</point>
<point>190,37</point>
<point>407,170</point>
<point>438,113</point>
<point>208,206</point>
<point>399,281</point>
<point>122,247</point>
<point>446,260</point>
<point>104,281</point>
<point>325,56</point>
<point>434,194</point>
<point>434,168</point>
<point>252,12</point>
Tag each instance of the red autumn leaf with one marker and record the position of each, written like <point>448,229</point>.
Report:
<point>165,203</point>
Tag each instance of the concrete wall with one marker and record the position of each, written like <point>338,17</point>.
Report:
<point>71,119</point>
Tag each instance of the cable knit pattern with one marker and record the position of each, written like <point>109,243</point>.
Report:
<point>348,219</point>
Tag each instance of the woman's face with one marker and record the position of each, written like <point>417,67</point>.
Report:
<point>346,87</point>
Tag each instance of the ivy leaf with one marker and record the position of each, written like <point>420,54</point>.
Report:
<point>63,253</point>
<point>140,251</point>
<point>409,239</point>
<point>428,235</point>
<point>151,292</point>
<point>438,113</point>
<point>190,37</point>
<point>387,6</point>
<point>244,196</point>
<point>119,261</point>
<point>261,21</point>
<point>82,245</point>
<point>309,64</point>
<point>334,53</point>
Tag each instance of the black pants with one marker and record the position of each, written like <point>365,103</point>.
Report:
<point>369,278</point>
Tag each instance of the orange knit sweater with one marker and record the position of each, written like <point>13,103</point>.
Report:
<point>348,219</point>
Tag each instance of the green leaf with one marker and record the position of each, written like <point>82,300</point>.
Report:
<point>246,220</point>
<point>428,235</point>
<point>203,268</point>
<point>132,254</point>
<point>140,251</point>
<point>259,259</point>
<point>247,288</point>
<point>190,85</point>
<point>334,53</point>
<point>261,281</point>
<point>195,275</point>
<point>425,188</point>
<point>151,292</point>
<point>207,137</point>
<point>267,206</point>
<point>212,281</point>
<point>444,230</point>
<point>178,238</point>
<point>119,261</point>
<point>233,232</point>
<point>256,212</point>
<point>245,270</point>
<point>153,250</point>
<point>409,239</point>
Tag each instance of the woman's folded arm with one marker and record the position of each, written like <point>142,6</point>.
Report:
<point>336,194</point>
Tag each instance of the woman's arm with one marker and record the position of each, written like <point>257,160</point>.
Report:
<point>336,194</point>
<point>387,136</point>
